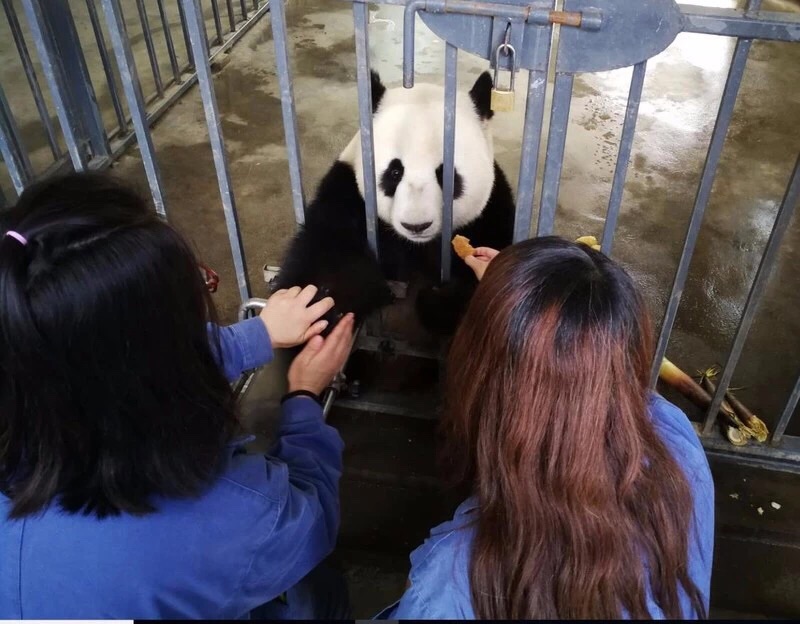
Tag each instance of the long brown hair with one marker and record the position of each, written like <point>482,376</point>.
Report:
<point>582,509</point>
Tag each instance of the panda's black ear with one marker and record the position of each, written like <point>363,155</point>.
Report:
<point>377,89</point>
<point>481,95</point>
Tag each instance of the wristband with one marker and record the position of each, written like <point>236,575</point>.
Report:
<point>297,393</point>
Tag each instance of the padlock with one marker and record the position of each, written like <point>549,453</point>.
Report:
<point>503,99</point>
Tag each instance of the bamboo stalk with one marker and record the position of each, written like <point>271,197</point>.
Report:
<point>734,429</point>
<point>756,426</point>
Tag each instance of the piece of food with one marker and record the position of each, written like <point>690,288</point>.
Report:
<point>589,241</point>
<point>462,247</point>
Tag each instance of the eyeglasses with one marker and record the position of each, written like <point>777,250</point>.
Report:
<point>210,278</point>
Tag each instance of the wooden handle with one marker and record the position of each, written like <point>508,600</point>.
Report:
<point>566,18</point>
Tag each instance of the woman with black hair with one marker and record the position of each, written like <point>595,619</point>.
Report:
<point>124,490</point>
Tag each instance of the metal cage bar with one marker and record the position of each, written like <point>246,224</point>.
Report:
<point>279,36</point>
<point>30,75</point>
<point>173,58</point>
<point>361,21</point>
<point>205,81</point>
<point>786,415</point>
<point>554,160</point>
<point>217,21</point>
<point>768,259</point>
<point>531,142</point>
<point>231,15</point>
<point>448,165</point>
<point>12,148</point>
<point>108,70</point>
<point>721,124</point>
<point>129,77</point>
<point>624,156</point>
<point>243,4</point>
<point>186,42</point>
<point>151,48</point>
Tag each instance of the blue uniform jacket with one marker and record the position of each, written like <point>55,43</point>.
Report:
<point>256,531</point>
<point>439,576</point>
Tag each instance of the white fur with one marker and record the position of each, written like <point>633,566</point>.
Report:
<point>409,125</point>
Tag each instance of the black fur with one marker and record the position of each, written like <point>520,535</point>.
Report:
<point>331,250</point>
<point>481,95</point>
<point>377,89</point>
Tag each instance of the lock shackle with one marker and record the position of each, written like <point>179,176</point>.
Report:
<point>508,50</point>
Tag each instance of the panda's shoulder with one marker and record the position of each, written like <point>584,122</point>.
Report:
<point>337,195</point>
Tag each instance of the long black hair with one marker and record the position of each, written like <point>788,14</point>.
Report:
<point>109,391</point>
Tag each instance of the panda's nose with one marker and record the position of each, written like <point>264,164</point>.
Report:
<point>417,228</point>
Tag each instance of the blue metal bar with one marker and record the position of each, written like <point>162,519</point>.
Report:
<point>752,24</point>
<point>361,19</point>
<point>173,59</point>
<point>624,156</point>
<point>205,80</point>
<point>531,140</point>
<point>284,70</point>
<point>151,48</point>
<point>554,160</point>
<point>727,103</point>
<point>30,74</point>
<point>786,416</point>
<point>784,216</point>
<point>448,173</point>
<point>129,78</point>
<point>231,15</point>
<point>107,69</point>
<point>186,42</point>
<point>12,148</point>
<point>217,21</point>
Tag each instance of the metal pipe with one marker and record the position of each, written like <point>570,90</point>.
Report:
<point>186,42</point>
<point>173,59</point>
<point>243,3</point>
<point>531,141</point>
<point>784,216</point>
<point>129,77</point>
<point>206,82</point>
<point>554,160</point>
<point>624,155</point>
<point>360,19</point>
<point>231,15</point>
<point>107,68</point>
<point>30,74</point>
<point>768,25</point>
<point>721,124</point>
<point>12,148</point>
<point>786,415</point>
<point>151,48</point>
<point>284,70</point>
<point>217,21</point>
<point>448,164</point>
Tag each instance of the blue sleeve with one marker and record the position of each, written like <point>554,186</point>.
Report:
<point>244,346</point>
<point>305,468</point>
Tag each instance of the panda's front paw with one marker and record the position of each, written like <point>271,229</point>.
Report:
<point>440,307</point>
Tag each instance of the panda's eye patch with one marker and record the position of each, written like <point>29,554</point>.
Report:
<point>458,182</point>
<point>391,177</point>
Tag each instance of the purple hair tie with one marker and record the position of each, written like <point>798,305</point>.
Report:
<point>17,237</point>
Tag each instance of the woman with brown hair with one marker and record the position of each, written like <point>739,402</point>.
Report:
<point>591,496</point>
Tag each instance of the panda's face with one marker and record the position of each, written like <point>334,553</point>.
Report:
<point>408,128</point>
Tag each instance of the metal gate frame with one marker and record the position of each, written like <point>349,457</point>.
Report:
<point>576,20</point>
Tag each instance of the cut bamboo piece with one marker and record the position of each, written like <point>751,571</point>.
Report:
<point>753,423</point>
<point>733,427</point>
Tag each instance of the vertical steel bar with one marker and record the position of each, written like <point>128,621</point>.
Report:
<point>448,175</point>
<point>56,81</point>
<point>279,36</point>
<point>217,21</point>
<point>129,78</point>
<point>205,81</point>
<point>721,124</point>
<point>12,148</point>
<point>107,68</point>
<point>244,9</point>
<point>173,59</point>
<point>151,49</point>
<point>556,140</point>
<point>786,416</point>
<point>186,42</point>
<point>784,216</point>
<point>30,74</point>
<point>231,15</point>
<point>255,5</point>
<point>531,140</point>
<point>624,155</point>
<point>361,20</point>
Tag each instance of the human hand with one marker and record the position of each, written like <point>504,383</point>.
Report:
<point>317,364</point>
<point>289,319</point>
<point>480,260</point>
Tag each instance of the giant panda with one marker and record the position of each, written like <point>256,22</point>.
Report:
<point>331,250</point>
